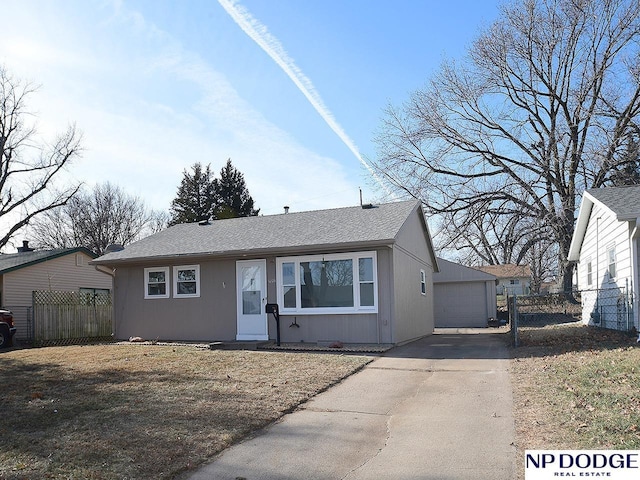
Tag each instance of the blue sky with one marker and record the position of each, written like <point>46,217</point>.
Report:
<point>156,86</point>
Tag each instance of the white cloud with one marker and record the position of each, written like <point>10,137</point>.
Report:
<point>260,34</point>
<point>149,109</point>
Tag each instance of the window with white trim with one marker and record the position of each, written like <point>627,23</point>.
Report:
<point>423,282</point>
<point>589,273</point>
<point>366,280</point>
<point>289,284</point>
<point>186,281</point>
<point>611,262</point>
<point>156,282</point>
<point>335,283</point>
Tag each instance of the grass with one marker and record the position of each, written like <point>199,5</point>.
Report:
<point>576,387</point>
<point>144,412</point>
<point>152,412</point>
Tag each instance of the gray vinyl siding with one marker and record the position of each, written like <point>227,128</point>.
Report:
<point>413,311</point>
<point>58,274</point>
<point>212,316</point>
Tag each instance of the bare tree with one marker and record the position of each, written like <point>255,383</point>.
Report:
<point>540,110</point>
<point>28,166</point>
<point>96,219</point>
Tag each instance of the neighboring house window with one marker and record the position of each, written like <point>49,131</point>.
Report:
<point>515,281</point>
<point>337,283</point>
<point>589,273</point>
<point>611,259</point>
<point>186,281</point>
<point>156,282</point>
<point>423,282</point>
<point>95,296</point>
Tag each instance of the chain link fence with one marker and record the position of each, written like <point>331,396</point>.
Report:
<point>605,308</point>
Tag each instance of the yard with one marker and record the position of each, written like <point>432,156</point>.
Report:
<point>151,411</point>
<point>144,411</point>
<point>576,387</point>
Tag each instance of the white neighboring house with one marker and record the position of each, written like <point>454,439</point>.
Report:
<point>605,245</point>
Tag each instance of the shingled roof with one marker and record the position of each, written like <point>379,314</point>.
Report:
<point>350,227</point>
<point>15,261</point>
<point>624,202</point>
<point>507,270</point>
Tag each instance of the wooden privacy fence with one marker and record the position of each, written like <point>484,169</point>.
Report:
<point>71,317</point>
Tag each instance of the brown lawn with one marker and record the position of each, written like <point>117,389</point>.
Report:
<point>576,387</point>
<point>144,411</point>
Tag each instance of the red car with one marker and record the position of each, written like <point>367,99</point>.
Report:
<point>7,330</point>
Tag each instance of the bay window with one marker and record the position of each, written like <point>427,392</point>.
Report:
<point>336,283</point>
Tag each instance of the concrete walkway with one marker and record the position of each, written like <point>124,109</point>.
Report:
<point>438,408</point>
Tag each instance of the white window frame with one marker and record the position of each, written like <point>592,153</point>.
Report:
<point>423,282</point>
<point>167,282</point>
<point>610,249</point>
<point>176,269</point>
<point>589,272</point>
<point>354,257</point>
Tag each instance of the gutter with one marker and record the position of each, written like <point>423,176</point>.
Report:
<point>246,254</point>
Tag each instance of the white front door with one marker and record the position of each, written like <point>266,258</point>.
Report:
<point>251,278</point>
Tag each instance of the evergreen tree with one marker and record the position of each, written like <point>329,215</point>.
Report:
<point>627,170</point>
<point>196,199</point>
<point>232,193</point>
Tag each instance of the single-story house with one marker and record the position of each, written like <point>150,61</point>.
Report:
<point>353,275</point>
<point>28,270</point>
<point>463,296</point>
<point>512,279</point>
<point>605,245</point>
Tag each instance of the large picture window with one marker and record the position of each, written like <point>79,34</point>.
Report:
<point>337,283</point>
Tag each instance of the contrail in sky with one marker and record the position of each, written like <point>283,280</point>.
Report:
<point>272,46</point>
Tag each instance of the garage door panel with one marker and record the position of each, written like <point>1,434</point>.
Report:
<point>462,304</point>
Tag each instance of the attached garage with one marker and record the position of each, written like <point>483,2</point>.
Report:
<point>463,297</point>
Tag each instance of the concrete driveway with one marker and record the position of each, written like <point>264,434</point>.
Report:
<point>438,408</point>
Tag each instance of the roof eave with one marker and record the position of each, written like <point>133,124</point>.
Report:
<point>50,257</point>
<point>251,253</point>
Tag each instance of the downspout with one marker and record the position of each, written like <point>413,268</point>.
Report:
<point>633,240</point>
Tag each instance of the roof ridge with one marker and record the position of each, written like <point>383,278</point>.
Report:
<point>303,212</point>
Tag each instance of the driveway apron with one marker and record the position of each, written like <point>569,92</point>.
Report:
<point>437,408</point>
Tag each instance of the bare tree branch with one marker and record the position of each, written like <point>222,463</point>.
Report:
<point>28,168</point>
<point>503,144</point>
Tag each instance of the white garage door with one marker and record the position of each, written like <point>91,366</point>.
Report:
<point>461,304</point>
